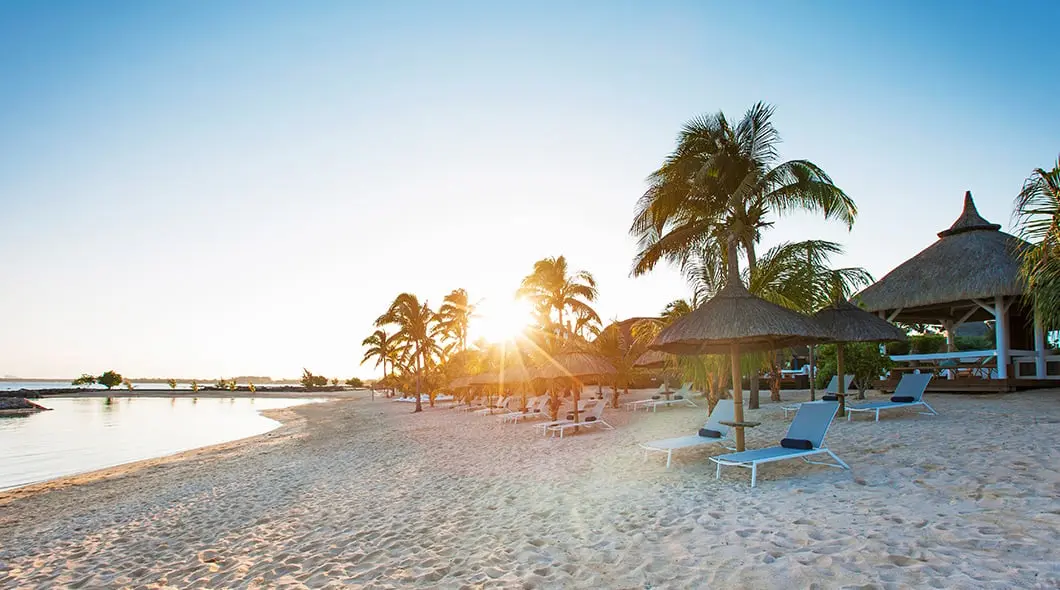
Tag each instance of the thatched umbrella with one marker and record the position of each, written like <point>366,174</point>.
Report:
<point>845,322</point>
<point>651,359</point>
<point>572,365</point>
<point>735,321</point>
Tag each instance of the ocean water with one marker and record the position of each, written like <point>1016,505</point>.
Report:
<point>84,434</point>
<point>17,385</point>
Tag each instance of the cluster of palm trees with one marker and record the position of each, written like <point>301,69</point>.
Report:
<point>423,350</point>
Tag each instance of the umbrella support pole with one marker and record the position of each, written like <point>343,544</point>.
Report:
<point>737,395</point>
<point>841,382</point>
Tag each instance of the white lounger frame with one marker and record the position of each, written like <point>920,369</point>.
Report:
<point>795,454</point>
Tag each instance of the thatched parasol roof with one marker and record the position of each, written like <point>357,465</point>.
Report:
<point>736,316</point>
<point>847,323</point>
<point>574,364</point>
<point>460,382</point>
<point>972,259</point>
<point>651,359</point>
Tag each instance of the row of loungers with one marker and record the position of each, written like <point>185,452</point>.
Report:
<point>538,408</point>
<point>656,401</point>
<point>805,436</point>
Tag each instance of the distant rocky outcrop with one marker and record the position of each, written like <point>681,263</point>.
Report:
<point>19,405</point>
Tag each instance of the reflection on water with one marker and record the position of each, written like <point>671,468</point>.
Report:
<point>86,434</point>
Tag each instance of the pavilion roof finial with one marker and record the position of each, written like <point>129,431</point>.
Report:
<point>970,220</point>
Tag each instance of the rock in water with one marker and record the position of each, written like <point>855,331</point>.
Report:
<point>18,405</point>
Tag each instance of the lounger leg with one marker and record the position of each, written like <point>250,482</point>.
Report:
<point>838,460</point>
<point>930,409</point>
<point>669,454</point>
<point>717,474</point>
<point>754,473</point>
<point>877,415</point>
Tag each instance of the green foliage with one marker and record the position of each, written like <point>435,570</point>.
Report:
<point>251,388</point>
<point>194,385</point>
<point>1037,220</point>
<point>861,359</point>
<point>172,383</point>
<point>355,382</point>
<point>128,384</point>
<point>84,379</point>
<point>110,379</point>
<point>927,343</point>
<point>311,381</point>
<point>335,382</point>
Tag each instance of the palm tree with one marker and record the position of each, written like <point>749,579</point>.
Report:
<point>454,316</point>
<point>415,335</point>
<point>1037,220</point>
<point>718,190</point>
<point>381,347</point>
<point>621,351</point>
<point>552,289</point>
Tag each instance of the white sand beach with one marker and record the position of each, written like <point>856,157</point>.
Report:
<point>359,494</point>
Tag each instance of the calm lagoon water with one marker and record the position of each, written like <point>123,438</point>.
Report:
<point>85,434</point>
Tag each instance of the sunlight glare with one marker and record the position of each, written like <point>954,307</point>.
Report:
<point>500,320</point>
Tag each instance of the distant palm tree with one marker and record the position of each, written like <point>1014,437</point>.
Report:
<point>382,348</point>
<point>621,351</point>
<point>415,337</point>
<point>552,289</point>
<point>1037,220</point>
<point>454,316</point>
<point>716,192</point>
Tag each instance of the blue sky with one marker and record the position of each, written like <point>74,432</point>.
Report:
<point>220,188</point>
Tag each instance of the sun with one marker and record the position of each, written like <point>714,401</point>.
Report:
<point>499,320</point>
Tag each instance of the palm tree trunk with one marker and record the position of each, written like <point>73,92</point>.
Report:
<point>752,264</point>
<point>419,405</point>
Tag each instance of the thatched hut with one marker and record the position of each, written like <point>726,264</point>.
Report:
<point>971,273</point>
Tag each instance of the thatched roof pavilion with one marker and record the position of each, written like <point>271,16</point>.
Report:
<point>971,273</point>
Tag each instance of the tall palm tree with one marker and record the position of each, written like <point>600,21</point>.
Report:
<point>552,289</point>
<point>415,336</point>
<point>454,316</point>
<point>718,190</point>
<point>382,348</point>
<point>1037,220</point>
<point>724,182</point>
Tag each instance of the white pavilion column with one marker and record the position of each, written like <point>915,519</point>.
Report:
<point>1039,347</point>
<point>1001,336</point>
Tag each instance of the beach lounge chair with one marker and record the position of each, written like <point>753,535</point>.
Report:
<point>804,439</point>
<point>830,392</point>
<point>497,407</point>
<point>582,405</point>
<point>594,418</point>
<point>724,411</point>
<point>534,409</point>
<point>908,394</point>
<point>657,394</point>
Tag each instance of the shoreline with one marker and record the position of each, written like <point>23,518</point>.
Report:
<point>290,423</point>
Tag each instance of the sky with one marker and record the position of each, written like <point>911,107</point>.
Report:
<point>210,189</point>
